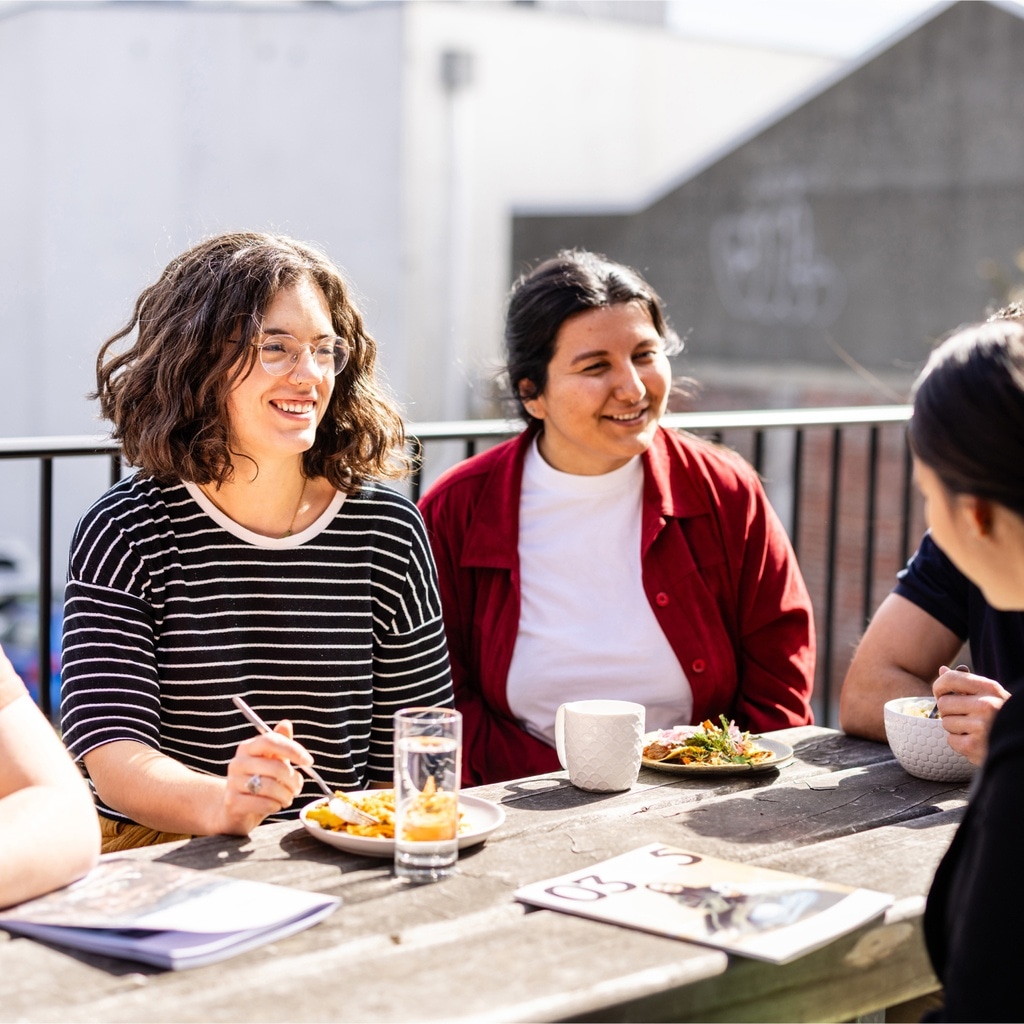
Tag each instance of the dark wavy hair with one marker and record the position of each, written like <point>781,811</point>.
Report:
<point>968,420</point>
<point>166,393</point>
<point>573,281</point>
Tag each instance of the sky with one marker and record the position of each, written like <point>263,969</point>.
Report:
<point>835,28</point>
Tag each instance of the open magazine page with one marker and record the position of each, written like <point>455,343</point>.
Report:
<point>752,911</point>
<point>165,915</point>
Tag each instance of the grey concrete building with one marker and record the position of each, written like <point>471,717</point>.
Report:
<point>817,261</point>
<point>856,228</point>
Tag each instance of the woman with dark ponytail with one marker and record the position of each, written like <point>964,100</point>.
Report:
<point>598,555</point>
<point>967,436</point>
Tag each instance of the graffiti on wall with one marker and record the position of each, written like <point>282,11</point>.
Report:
<point>768,270</point>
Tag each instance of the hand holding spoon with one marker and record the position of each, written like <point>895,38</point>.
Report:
<point>934,713</point>
<point>338,807</point>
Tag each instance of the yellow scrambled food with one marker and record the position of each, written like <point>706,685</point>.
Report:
<point>380,803</point>
<point>422,822</point>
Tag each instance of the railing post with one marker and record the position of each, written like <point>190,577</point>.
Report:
<point>45,578</point>
<point>908,493</point>
<point>830,571</point>
<point>798,477</point>
<point>416,479</point>
<point>869,523</point>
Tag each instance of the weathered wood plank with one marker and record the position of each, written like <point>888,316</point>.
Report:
<point>857,975</point>
<point>899,858</point>
<point>514,967</point>
<point>844,811</point>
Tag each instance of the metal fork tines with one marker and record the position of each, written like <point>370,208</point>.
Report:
<point>347,811</point>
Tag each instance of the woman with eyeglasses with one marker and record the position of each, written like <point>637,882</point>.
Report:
<point>967,437</point>
<point>254,553</point>
<point>600,555</point>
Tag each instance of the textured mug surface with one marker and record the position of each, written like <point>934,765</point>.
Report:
<point>600,743</point>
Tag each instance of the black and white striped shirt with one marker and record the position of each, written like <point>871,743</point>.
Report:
<point>171,609</point>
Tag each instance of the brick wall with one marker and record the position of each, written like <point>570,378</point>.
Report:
<point>846,532</point>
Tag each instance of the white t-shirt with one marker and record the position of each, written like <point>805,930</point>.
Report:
<point>586,628</point>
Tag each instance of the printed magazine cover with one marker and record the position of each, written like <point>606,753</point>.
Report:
<point>752,911</point>
<point>165,915</point>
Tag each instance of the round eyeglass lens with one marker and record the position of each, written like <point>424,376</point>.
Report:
<point>280,355</point>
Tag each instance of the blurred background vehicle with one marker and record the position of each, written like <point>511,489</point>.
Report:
<point>19,635</point>
<point>19,618</point>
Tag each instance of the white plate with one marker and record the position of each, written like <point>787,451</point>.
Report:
<point>482,816</point>
<point>782,755</point>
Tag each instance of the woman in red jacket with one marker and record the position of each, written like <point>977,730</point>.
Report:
<point>600,555</point>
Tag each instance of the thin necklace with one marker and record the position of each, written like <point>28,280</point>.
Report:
<point>295,515</point>
<point>298,505</point>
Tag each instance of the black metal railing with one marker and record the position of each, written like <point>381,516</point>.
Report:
<point>841,478</point>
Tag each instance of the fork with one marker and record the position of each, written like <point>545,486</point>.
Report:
<point>338,807</point>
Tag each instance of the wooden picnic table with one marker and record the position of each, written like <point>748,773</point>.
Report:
<point>463,949</point>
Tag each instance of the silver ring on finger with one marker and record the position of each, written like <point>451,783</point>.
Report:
<point>255,784</point>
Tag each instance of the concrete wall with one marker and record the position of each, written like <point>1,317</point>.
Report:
<point>556,110</point>
<point>817,262</point>
<point>867,222</point>
<point>138,129</point>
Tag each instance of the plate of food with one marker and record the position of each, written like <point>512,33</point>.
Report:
<point>712,749</point>
<point>478,818</point>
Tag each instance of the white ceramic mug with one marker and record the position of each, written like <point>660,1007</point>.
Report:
<point>600,743</point>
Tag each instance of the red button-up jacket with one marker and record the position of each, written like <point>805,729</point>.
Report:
<point>718,570</point>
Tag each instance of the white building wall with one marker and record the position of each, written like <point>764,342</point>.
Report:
<point>129,131</point>
<point>559,110</point>
<point>141,128</point>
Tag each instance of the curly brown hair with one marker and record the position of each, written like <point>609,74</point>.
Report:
<point>166,393</point>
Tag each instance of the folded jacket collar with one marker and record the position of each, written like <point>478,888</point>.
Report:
<point>492,538</point>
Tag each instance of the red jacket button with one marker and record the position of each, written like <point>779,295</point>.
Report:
<point>662,598</point>
<point>698,665</point>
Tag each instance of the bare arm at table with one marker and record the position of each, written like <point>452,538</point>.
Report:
<point>164,794</point>
<point>899,655</point>
<point>49,834</point>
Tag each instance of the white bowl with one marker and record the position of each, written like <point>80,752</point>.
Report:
<point>920,744</point>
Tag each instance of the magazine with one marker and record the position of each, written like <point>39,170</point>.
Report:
<point>751,911</point>
<point>165,915</point>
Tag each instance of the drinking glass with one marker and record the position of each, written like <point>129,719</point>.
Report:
<point>428,765</point>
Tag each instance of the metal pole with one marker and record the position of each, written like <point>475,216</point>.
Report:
<point>45,576</point>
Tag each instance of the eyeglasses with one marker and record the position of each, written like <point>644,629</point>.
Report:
<point>280,354</point>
